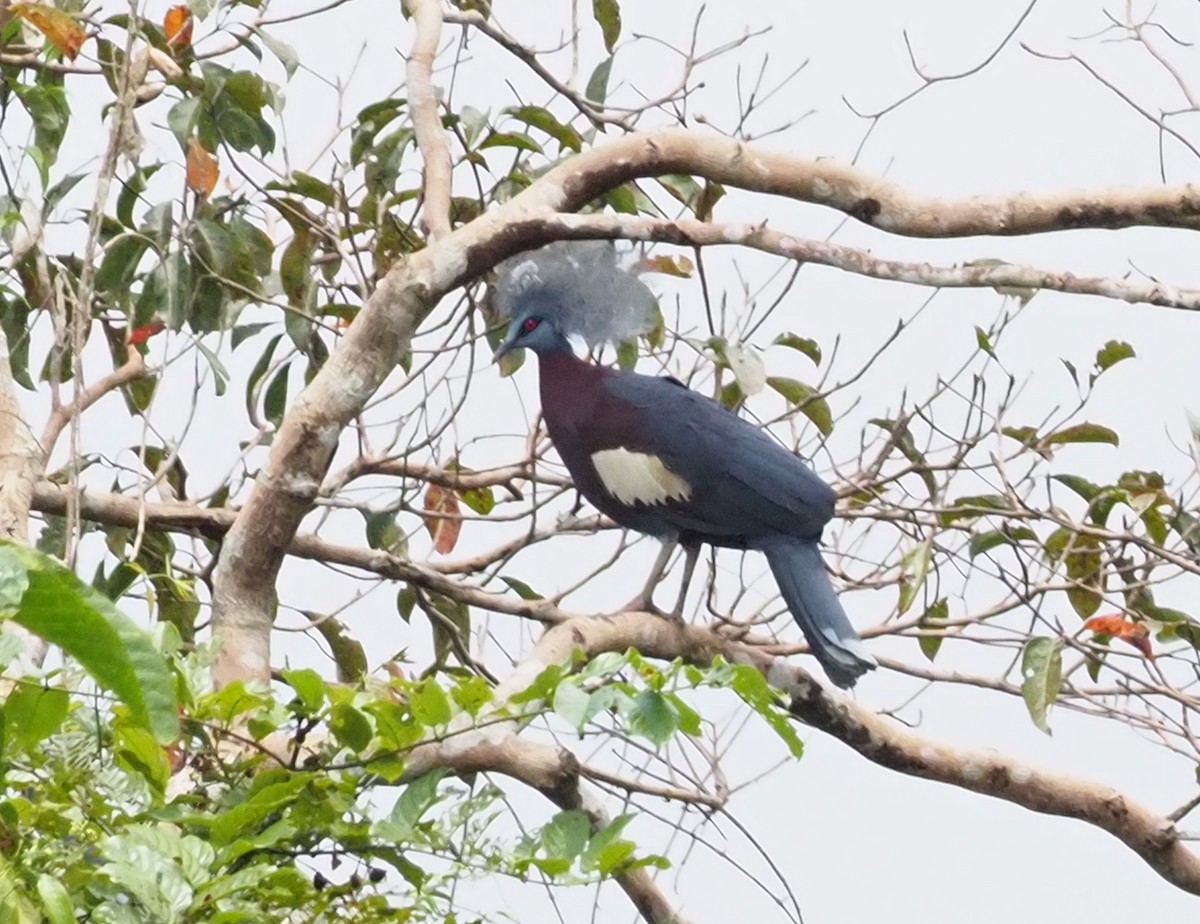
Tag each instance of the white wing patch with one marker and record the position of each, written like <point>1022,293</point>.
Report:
<point>636,477</point>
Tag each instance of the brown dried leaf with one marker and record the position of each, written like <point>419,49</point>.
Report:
<point>177,25</point>
<point>61,29</point>
<point>440,506</point>
<point>202,169</point>
<point>1133,633</point>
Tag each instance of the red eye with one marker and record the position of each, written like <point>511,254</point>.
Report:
<point>530,324</point>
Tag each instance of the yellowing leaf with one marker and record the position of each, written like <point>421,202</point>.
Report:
<point>202,169</point>
<point>177,26</point>
<point>62,30</point>
<point>669,265</point>
<point>442,518</point>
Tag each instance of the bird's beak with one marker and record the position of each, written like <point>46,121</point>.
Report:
<point>509,341</point>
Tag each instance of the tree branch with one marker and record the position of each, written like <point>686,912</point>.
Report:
<point>244,596</point>
<point>134,367</point>
<point>427,123</point>
<point>529,57</point>
<point>880,740</point>
<point>884,741</point>
<point>20,465</point>
<point>555,772</point>
<point>691,233</point>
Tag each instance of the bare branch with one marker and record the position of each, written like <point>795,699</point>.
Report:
<point>984,274</point>
<point>529,57</point>
<point>134,367</point>
<point>427,123</point>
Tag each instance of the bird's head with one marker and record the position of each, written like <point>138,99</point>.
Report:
<point>533,329</point>
<point>570,289</point>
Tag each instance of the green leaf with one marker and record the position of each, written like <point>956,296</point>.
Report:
<point>627,355</point>
<point>120,263</point>
<point>275,399</point>
<point>544,120</point>
<point>406,600</point>
<point>973,507</point>
<point>597,85</point>
<point>220,373</point>
<point>1025,435</point>
<point>914,567</point>
<point>481,500</point>
<point>608,15</point>
<point>1110,354</point>
<point>309,687</point>
<point>182,118</point>
<point>523,590</point>
<point>33,712</point>
<point>283,51</point>
<point>933,618</point>
<point>56,903</point>
<point>429,703</point>
<point>1041,668</point>
<point>384,532</point>
<point>607,851</point>
<point>984,342</point>
<point>136,751</point>
<point>351,727</point>
<point>418,797</point>
<point>571,704</point>
<point>60,608</point>
<point>805,345</point>
<point>1082,557</point>
<point>982,543</point>
<point>566,834</point>
<point>807,400</point>
<point>265,801</point>
<point>510,140</point>
<point>1082,433</point>
<point>50,113</point>
<point>653,717</point>
<point>472,693</point>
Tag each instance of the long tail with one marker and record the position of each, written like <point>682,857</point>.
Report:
<point>806,589</point>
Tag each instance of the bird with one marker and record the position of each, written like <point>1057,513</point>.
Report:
<point>660,458</point>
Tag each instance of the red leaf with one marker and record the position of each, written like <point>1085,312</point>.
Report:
<point>146,331</point>
<point>439,503</point>
<point>1132,633</point>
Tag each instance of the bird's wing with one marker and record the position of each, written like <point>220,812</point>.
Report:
<point>740,480</point>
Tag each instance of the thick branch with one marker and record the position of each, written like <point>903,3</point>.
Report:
<point>887,743</point>
<point>427,123</point>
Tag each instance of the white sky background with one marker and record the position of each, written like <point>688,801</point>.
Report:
<point>855,842</point>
